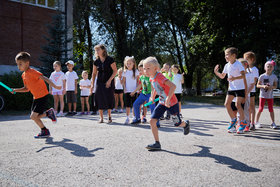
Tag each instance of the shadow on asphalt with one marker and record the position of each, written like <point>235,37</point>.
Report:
<point>265,133</point>
<point>75,149</point>
<point>231,163</point>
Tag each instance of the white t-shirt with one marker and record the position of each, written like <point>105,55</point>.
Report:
<point>233,70</point>
<point>249,80</point>
<point>70,80</point>
<point>177,80</point>
<point>130,82</point>
<point>118,85</point>
<point>265,80</point>
<point>85,91</point>
<point>57,78</point>
<point>254,70</point>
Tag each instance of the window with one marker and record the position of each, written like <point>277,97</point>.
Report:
<point>53,4</point>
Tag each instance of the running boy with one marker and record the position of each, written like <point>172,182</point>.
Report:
<point>168,101</point>
<point>236,78</point>
<point>34,81</point>
<point>71,88</point>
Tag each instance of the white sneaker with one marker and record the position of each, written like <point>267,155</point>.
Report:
<point>126,121</point>
<point>273,125</point>
<point>60,114</point>
<point>258,125</point>
<point>232,130</point>
<point>121,111</point>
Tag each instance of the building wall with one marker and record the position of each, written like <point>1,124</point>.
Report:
<point>22,29</point>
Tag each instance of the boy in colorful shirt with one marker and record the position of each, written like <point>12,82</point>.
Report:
<point>168,101</point>
<point>34,81</point>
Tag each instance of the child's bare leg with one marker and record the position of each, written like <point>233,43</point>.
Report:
<point>74,107</point>
<point>252,110</point>
<point>180,107</point>
<point>240,110</point>
<point>83,104</point>
<point>258,116</point>
<point>153,123</point>
<point>101,114</point>
<point>36,117</point>
<point>127,111</point>
<point>227,104</point>
<point>116,101</point>
<point>144,111</point>
<point>70,107</point>
<point>87,103</point>
<point>109,113</point>
<point>56,99</point>
<point>121,99</point>
<point>272,116</point>
<point>61,100</point>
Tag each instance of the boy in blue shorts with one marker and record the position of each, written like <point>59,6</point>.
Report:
<point>168,101</point>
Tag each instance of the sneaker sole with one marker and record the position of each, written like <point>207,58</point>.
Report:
<point>153,149</point>
<point>39,137</point>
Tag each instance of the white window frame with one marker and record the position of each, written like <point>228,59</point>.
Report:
<point>38,5</point>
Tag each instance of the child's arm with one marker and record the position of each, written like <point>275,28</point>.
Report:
<point>49,82</point>
<point>76,87</point>
<point>220,75</point>
<point>238,77</point>
<point>182,80</point>
<point>124,83</point>
<point>274,86</point>
<point>23,89</point>
<point>260,85</point>
<point>172,88</point>
<point>64,86</point>
<point>153,93</point>
<point>138,87</point>
<point>50,89</point>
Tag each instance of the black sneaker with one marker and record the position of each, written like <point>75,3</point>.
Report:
<point>51,114</point>
<point>135,121</point>
<point>187,127</point>
<point>93,113</point>
<point>43,134</point>
<point>167,117</point>
<point>74,113</point>
<point>161,118</point>
<point>155,146</point>
<point>69,114</point>
<point>252,128</point>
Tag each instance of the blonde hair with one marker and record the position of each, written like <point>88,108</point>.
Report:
<point>85,72</point>
<point>119,70</point>
<point>100,46</point>
<point>57,63</point>
<point>130,58</point>
<point>232,50</point>
<point>140,63</point>
<point>151,60</point>
<point>250,55</point>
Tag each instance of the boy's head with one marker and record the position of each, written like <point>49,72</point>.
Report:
<point>23,60</point>
<point>100,51</point>
<point>250,57</point>
<point>166,67</point>
<point>57,66</point>
<point>175,68</point>
<point>140,67</point>
<point>70,65</point>
<point>231,54</point>
<point>85,75</point>
<point>150,66</point>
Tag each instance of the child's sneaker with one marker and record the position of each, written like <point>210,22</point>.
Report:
<point>242,127</point>
<point>87,113</point>
<point>258,125</point>
<point>114,110</point>
<point>60,114</point>
<point>94,113</point>
<point>247,128</point>
<point>74,113</point>
<point>187,127</point>
<point>43,134</point>
<point>135,121</point>
<point>232,130</point>
<point>144,120</point>
<point>252,127</point>
<point>121,111</point>
<point>50,114</point>
<point>127,121</point>
<point>155,146</point>
<point>273,126</point>
<point>232,123</point>
<point>82,113</point>
<point>69,114</point>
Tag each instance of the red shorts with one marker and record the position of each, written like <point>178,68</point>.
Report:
<point>269,102</point>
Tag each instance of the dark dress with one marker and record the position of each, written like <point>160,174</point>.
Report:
<point>104,97</point>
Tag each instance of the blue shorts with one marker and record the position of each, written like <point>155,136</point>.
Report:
<point>174,111</point>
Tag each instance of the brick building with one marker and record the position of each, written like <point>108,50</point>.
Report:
<point>24,25</point>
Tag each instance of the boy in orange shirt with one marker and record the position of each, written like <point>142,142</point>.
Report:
<point>34,81</point>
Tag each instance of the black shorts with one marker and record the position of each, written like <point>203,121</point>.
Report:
<point>129,100</point>
<point>71,97</point>
<point>118,91</point>
<point>252,94</point>
<point>236,93</point>
<point>233,107</point>
<point>178,97</point>
<point>40,105</point>
<point>84,96</point>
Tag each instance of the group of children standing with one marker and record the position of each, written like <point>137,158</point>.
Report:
<point>242,76</point>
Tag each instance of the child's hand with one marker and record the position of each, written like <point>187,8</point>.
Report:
<point>64,92</point>
<point>231,78</point>
<point>13,91</point>
<point>58,87</point>
<point>132,94</point>
<point>216,69</point>
<point>167,102</point>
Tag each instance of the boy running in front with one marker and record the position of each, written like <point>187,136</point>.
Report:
<point>168,101</point>
<point>34,81</point>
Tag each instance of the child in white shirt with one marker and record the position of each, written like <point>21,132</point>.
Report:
<point>85,85</point>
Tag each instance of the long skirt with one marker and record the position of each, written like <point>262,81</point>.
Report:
<point>104,97</point>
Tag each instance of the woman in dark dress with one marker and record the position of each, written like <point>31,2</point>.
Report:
<point>106,69</point>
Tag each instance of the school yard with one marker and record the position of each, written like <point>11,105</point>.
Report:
<point>82,152</point>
